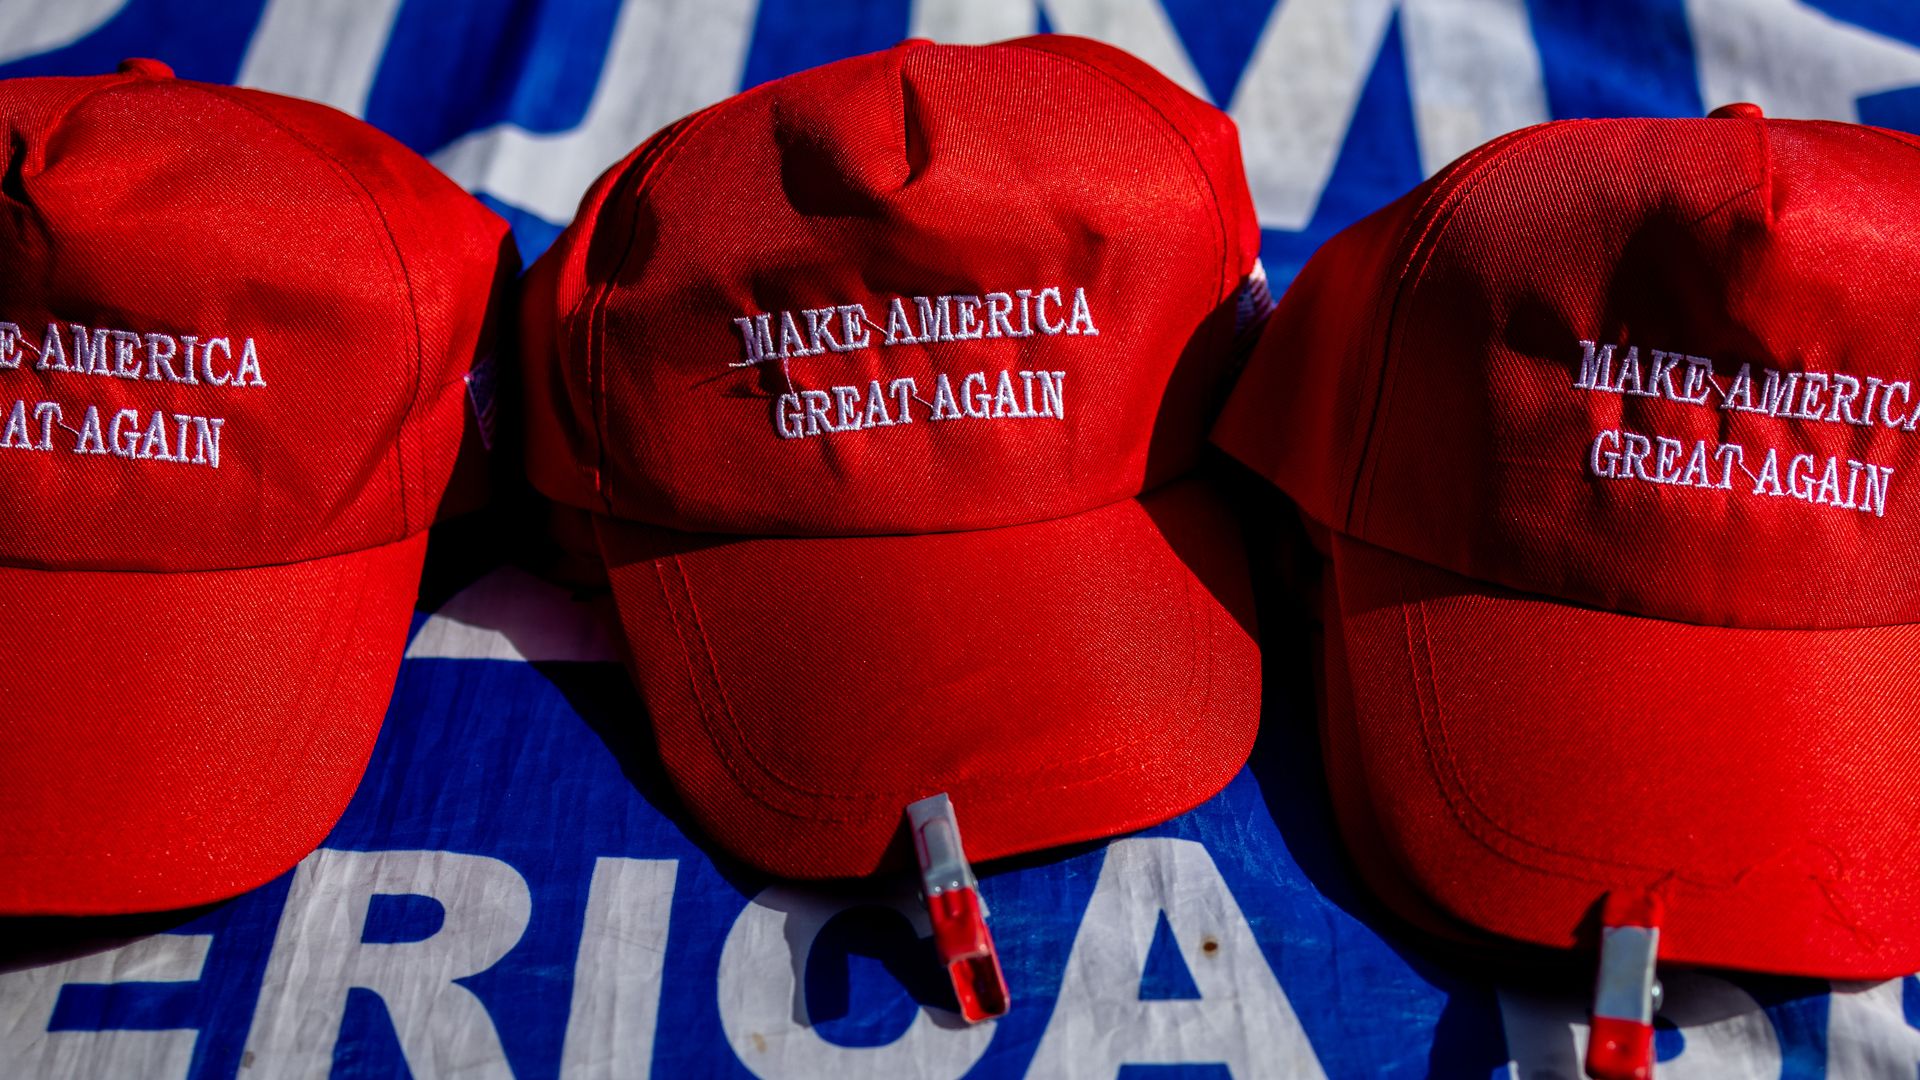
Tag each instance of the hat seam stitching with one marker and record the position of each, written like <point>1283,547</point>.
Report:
<point>6,565</point>
<point>594,302</point>
<point>1899,137</point>
<point>597,299</point>
<point>404,277</point>
<point>1213,196</point>
<point>1445,206</point>
<point>114,81</point>
<point>1474,160</point>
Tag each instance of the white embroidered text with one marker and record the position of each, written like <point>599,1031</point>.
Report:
<point>1020,395</point>
<point>72,350</point>
<point>912,320</point>
<point>1835,482</point>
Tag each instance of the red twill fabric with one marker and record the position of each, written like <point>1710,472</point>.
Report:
<point>884,380</point>
<point>1764,784</point>
<point>1612,428</point>
<point>235,335</point>
<point>194,767</point>
<point>1062,681</point>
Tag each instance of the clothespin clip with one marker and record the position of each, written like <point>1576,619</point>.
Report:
<point>1625,993</point>
<point>959,916</point>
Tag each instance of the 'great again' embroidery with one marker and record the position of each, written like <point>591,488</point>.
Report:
<point>1834,482</point>
<point>917,320</point>
<point>149,434</point>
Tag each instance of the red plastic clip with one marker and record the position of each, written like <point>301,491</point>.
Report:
<point>959,916</point>
<point>1625,994</point>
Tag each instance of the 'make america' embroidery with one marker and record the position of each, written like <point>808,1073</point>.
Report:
<point>1833,482</point>
<point>917,320</point>
<point>144,434</point>
<point>1018,314</point>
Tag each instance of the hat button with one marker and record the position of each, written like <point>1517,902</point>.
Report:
<point>145,68</point>
<point>1738,110</point>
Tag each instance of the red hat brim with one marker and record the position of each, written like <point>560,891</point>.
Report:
<point>1061,681</point>
<point>1506,760</point>
<point>173,739</point>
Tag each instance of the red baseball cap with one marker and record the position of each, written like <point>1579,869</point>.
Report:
<point>235,335</point>
<point>886,383</point>
<point>1608,434</point>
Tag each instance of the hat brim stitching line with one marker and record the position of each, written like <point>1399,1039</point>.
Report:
<point>1842,917</point>
<point>1227,278</point>
<point>340,631</point>
<point>1483,575</point>
<point>722,753</point>
<point>1433,735</point>
<point>729,760</point>
<point>399,264</point>
<point>713,720</point>
<point>1464,809</point>
<point>1419,254</point>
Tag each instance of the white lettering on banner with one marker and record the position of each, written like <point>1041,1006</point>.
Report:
<point>1141,27</point>
<point>619,969</point>
<point>1472,69</point>
<point>1838,483</point>
<point>30,29</point>
<point>1725,1033</point>
<point>666,58</point>
<point>1868,1034</point>
<point>282,57</point>
<point>318,956</point>
<point>1242,1017</point>
<point>763,1002</point>
<point>1792,59</point>
<point>512,615</point>
<point>1473,72</point>
<point>27,1048</point>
